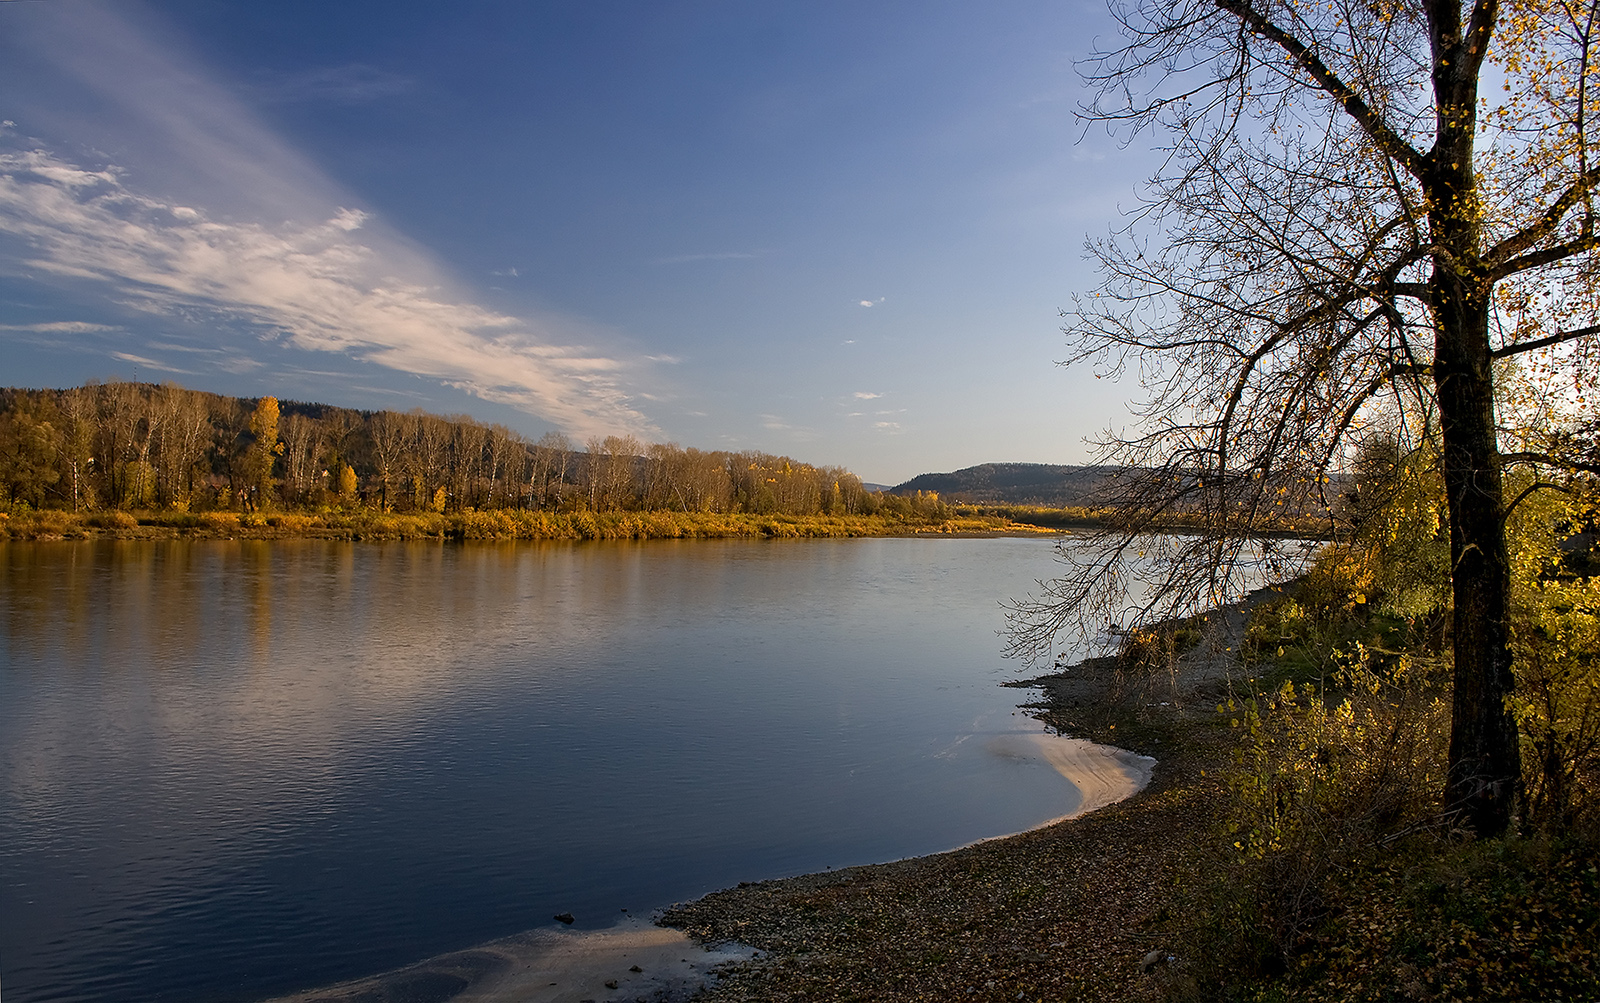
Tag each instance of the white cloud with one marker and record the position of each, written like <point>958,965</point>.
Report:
<point>212,216</point>
<point>312,286</point>
<point>168,346</point>
<point>862,395</point>
<point>148,363</point>
<point>61,327</point>
<point>866,302</point>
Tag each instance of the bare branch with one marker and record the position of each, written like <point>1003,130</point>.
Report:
<point>1517,348</point>
<point>1390,142</point>
<point>1550,461</point>
<point>1505,254</point>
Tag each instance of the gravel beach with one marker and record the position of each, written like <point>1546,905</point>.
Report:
<point>1071,911</point>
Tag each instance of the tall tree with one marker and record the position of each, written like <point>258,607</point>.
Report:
<point>392,433</point>
<point>265,449</point>
<point>1342,222</point>
<point>77,409</point>
<point>547,479</point>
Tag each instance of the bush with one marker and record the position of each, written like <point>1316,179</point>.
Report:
<point>220,522</point>
<point>1322,783</point>
<point>112,519</point>
<point>1512,920</point>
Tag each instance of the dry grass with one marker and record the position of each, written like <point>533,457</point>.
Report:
<point>356,523</point>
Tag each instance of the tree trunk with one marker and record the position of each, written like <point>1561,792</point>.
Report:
<point>1485,770</point>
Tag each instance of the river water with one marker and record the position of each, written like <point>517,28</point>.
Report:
<point>234,769</point>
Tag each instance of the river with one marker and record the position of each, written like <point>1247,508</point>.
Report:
<point>233,769</point>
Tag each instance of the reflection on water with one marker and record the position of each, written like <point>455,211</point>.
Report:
<point>230,769</point>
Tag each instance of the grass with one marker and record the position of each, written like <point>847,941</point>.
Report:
<point>359,523</point>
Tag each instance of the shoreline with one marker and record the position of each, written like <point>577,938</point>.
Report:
<point>500,525</point>
<point>639,959</point>
<point>1074,910</point>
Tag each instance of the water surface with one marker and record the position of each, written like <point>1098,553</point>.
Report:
<point>233,769</point>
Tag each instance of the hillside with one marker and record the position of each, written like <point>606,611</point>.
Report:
<point>1049,484</point>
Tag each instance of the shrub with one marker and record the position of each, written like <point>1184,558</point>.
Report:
<point>112,519</point>
<point>220,522</point>
<point>1322,783</point>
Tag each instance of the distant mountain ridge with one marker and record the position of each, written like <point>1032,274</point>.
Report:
<point>1050,484</point>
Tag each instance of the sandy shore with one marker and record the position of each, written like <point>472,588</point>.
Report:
<point>1070,911</point>
<point>633,960</point>
<point>637,960</point>
<point>1102,774</point>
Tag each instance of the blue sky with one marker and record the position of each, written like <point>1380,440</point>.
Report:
<point>840,231</point>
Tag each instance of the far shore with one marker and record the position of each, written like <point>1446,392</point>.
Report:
<point>937,519</point>
<point>507,524</point>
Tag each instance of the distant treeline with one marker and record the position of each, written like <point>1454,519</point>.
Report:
<point>140,446</point>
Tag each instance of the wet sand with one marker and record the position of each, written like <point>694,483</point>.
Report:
<point>633,960</point>
<point>1102,774</point>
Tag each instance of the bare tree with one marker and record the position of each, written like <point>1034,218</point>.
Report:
<point>302,457</point>
<point>467,443</point>
<point>431,449</point>
<point>78,419</point>
<point>547,478</point>
<point>1342,222</point>
<point>186,434</point>
<point>505,458</point>
<point>392,434</point>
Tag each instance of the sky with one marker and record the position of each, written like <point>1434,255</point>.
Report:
<point>838,231</point>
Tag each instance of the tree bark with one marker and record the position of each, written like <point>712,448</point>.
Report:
<point>1485,769</point>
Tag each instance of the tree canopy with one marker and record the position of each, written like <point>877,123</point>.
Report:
<point>1366,207</point>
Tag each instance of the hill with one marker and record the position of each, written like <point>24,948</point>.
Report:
<point>1051,484</point>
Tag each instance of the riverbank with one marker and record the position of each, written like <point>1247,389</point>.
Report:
<point>1077,910</point>
<point>637,960</point>
<point>503,524</point>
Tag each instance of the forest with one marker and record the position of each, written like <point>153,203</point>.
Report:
<point>139,446</point>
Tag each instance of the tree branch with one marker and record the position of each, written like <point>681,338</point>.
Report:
<point>1542,227</point>
<point>1547,460</point>
<point>1329,82</point>
<point>1518,348</point>
<point>1530,489</point>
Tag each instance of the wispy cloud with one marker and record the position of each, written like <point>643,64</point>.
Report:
<point>351,84</point>
<point>209,215</point>
<point>61,327</point>
<point>169,346</point>
<point>862,395</point>
<point>870,303</point>
<point>149,363</point>
<point>316,287</point>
